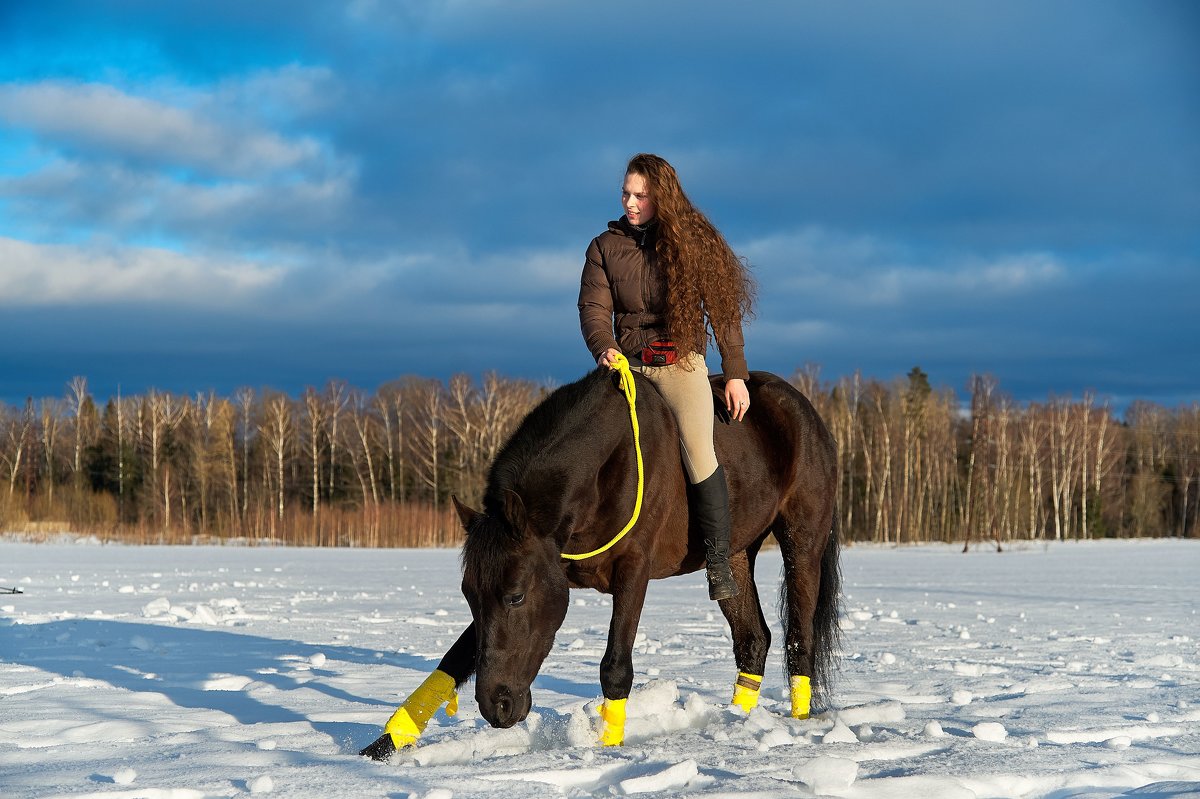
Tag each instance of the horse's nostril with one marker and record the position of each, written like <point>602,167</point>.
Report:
<point>503,708</point>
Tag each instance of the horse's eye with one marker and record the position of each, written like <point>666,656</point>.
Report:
<point>514,600</point>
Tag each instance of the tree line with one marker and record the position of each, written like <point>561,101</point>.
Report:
<point>340,466</point>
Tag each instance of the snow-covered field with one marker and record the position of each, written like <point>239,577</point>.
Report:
<point>1064,671</point>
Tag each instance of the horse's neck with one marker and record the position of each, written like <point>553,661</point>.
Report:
<point>596,497</point>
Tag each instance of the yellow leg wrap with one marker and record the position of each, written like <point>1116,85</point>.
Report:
<point>612,712</point>
<point>801,696</point>
<point>409,721</point>
<point>745,690</point>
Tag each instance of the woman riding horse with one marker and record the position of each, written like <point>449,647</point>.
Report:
<point>568,476</point>
<point>663,275</point>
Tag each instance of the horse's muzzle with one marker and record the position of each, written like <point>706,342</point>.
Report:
<point>503,708</point>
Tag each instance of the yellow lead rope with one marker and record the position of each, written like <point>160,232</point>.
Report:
<point>621,364</point>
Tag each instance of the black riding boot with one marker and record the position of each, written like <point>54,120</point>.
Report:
<point>711,506</point>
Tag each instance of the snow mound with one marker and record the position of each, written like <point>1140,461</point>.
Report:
<point>874,713</point>
<point>831,776</point>
<point>676,776</point>
<point>840,734</point>
<point>990,731</point>
<point>1166,790</point>
<point>263,784</point>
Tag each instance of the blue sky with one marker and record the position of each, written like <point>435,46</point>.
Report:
<point>210,195</point>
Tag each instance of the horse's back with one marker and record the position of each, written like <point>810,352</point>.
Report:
<point>777,408</point>
<point>781,454</point>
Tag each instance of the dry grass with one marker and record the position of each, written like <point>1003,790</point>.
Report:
<point>408,525</point>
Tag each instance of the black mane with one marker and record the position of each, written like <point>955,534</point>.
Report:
<point>559,414</point>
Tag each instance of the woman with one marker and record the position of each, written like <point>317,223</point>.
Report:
<point>664,277</point>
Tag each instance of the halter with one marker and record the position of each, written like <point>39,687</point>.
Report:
<point>621,365</point>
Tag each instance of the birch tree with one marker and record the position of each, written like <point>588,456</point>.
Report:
<point>276,432</point>
<point>51,424</point>
<point>314,426</point>
<point>426,424</point>
<point>365,437</point>
<point>336,398</point>
<point>84,427</point>
<point>245,399</point>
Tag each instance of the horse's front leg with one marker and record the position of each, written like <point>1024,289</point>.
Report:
<point>628,586</point>
<point>439,688</point>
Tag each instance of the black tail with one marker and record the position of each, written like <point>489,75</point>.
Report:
<point>827,631</point>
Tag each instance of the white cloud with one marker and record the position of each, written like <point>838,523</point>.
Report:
<point>58,274</point>
<point>140,129</point>
<point>803,330</point>
<point>117,199</point>
<point>284,93</point>
<point>874,272</point>
<point>533,271</point>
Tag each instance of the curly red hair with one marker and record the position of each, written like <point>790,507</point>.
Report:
<point>709,287</point>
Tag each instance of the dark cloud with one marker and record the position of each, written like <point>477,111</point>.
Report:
<point>1010,189</point>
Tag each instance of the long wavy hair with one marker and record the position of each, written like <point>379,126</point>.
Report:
<point>709,288</point>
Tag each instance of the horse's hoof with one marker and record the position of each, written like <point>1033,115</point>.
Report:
<point>382,750</point>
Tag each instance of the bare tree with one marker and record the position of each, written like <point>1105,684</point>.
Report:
<point>79,398</point>
<point>1033,444</point>
<point>383,407</point>
<point>245,401</point>
<point>503,403</point>
<point>18,427</point>
<point>397,398</point>
<point>426,422</point>
<point>335,402</point>
<point>1148,492</point>
<point>163,413</point>
<point>915,400</point>
<point>1063,463</point>
<point>464,426</point>
<point>945,491</point>
<point>122,416</point>
<point>276,431</point>
<point>1187,438</point>
<point>314,418</point>
<point>877,454</point>
<point>366,436</point>
<point>846,427</point>
<point>208,445</point>
<point>978,472</point>
<point>51,424</point>
<point>1005,473</point>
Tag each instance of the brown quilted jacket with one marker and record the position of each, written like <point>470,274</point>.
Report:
<point>624,290</point>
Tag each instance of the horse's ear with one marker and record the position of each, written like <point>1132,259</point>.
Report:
<point>466,514</point>
<point>514,511</point>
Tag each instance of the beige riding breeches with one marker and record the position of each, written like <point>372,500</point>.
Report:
<point>689,396</point>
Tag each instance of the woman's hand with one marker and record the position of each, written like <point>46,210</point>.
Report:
<point>608,358</point>
<point>737,398</point>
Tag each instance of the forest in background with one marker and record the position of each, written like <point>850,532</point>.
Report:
<point>343,467</point>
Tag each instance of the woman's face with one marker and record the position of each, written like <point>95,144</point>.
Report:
<point>635,199</point>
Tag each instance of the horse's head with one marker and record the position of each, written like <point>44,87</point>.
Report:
<point>514,582</point>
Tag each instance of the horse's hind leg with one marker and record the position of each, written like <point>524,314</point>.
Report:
<point>808,604</point>
<point>751,637</point>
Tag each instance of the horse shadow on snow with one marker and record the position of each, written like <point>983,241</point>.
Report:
<point>200,668</point>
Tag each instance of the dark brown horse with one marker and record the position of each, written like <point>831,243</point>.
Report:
<point>565,483</point>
